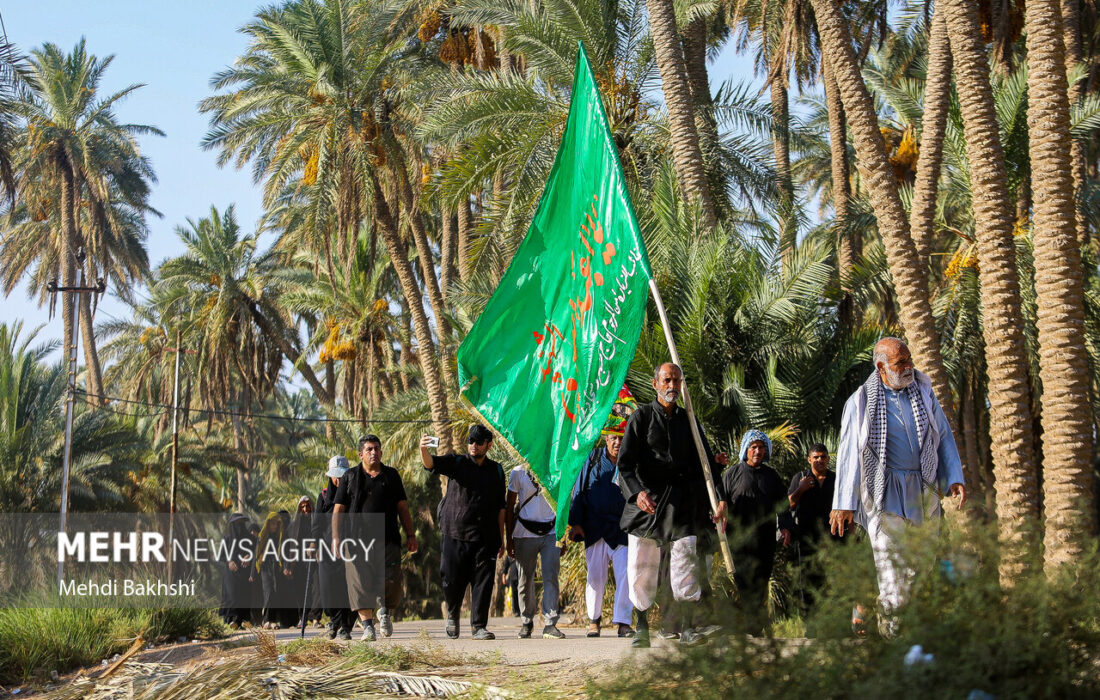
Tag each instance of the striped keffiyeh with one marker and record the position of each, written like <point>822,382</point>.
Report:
<point>874,453</point>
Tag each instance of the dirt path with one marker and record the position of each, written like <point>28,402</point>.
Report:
<point>507,648</point>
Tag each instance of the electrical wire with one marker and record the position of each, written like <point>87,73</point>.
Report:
<point>242,414</point>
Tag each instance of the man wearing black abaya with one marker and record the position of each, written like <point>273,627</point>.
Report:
<point>757,501</point>
<point>333,586</point>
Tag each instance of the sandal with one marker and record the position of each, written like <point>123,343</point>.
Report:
<point>859,624</point>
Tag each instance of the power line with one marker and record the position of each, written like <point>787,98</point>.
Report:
<point>241,414</point>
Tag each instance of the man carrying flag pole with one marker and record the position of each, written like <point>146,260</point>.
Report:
<point>544,362</point>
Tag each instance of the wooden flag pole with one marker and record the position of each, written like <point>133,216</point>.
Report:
<point>698,439</point>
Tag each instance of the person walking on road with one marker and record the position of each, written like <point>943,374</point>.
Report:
<point>531,538</point>
<point>373,487</point>
<point>594,514</point>
<point>471,522</point>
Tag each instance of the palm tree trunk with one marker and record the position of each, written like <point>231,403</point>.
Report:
<point>686,154</point>
<point>330,387</point>
<point>399,258</point>
<point>242,471</point>
<point>849,243</point>
<point>910,278</point>
<point>463,242</point>
<point>92,368</point>
<point>781,144</point>
<point>970,440</point>
<point>68,255</point>
<point>1014,460</point>
<point>695,62</point>
<point>447,251</point>
<point>423,251</point>
<point>1071,36</point>
<point>289,352</point>
<point>937,91</point>
<point>1063,360</point>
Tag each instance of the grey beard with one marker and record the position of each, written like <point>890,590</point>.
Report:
<point>897,382</point>
<point>670,396</point>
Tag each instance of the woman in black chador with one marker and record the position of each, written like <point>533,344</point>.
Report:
<point>239,547</point>
<point>274,574</point>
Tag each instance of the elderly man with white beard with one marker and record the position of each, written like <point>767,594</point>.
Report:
<point>895,460</point>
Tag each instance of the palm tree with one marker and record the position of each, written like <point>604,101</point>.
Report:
<point>1071,37</point>
<point>223,293</point>
<point>937,93</point>
<point>909,276</point>
<point>13,79</point>
<point>310,101</point>
<point>1063,360</point>
<point>1005,348</point>
<point>105,451</point>
<point>503,126</point>
<point>684,138</point>
<point>849,245</point>
<point>91,180</point>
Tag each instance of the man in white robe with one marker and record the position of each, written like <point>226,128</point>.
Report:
<point>896,459</point>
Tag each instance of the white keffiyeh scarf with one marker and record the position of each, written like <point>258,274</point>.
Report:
<point>874,453</point>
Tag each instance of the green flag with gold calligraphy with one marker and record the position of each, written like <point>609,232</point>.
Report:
<point>546,358</point>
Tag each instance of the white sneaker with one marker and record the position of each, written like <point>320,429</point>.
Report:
<point>385,622</point>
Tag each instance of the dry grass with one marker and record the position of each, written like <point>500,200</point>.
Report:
<point>254,678</point>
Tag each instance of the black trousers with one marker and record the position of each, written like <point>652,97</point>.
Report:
<point>754,571</point>
<point>334,595</point>
<point>465,564</point>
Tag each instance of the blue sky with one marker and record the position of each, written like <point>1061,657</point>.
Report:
<point>174,48</point>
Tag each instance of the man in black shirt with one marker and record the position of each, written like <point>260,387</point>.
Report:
<point>471,520</point>
<point>757,509</point>
<point>666,501</point>
<point>373,487</point>
<point>811,499</point>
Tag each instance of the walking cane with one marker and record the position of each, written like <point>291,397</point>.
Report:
<point>305,600</point>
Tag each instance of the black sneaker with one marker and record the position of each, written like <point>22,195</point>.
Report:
<point>345,635</point>
<point>691,638</point>
<point>525,630</point>
<point>552,632</point>
<point>640,641</point>
<point>452,629</point>
<point>369,634</point>
<point>626,630</point>
<point>481,634</point>
<point>332,632</point>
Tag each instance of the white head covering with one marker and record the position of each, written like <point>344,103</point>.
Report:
<point>337,466</point>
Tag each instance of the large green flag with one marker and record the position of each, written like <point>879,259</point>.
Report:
<point>545,360</point>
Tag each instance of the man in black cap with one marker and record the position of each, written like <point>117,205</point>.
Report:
<point>471,519</point>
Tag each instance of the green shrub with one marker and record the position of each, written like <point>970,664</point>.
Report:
<point>35,641</point>
<point>1039,638</point>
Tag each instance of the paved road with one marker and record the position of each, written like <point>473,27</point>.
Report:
<point>574,648</point>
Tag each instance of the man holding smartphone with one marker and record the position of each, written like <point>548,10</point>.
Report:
<point>471,521</point>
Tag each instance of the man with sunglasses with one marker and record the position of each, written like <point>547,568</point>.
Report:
<point>471,522</point>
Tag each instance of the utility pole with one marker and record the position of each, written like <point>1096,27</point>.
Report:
<point>66,459</point>
<point>175,450</point>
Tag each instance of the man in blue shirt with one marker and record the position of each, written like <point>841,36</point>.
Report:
<point>594,515</point>
<point>896,459</point>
